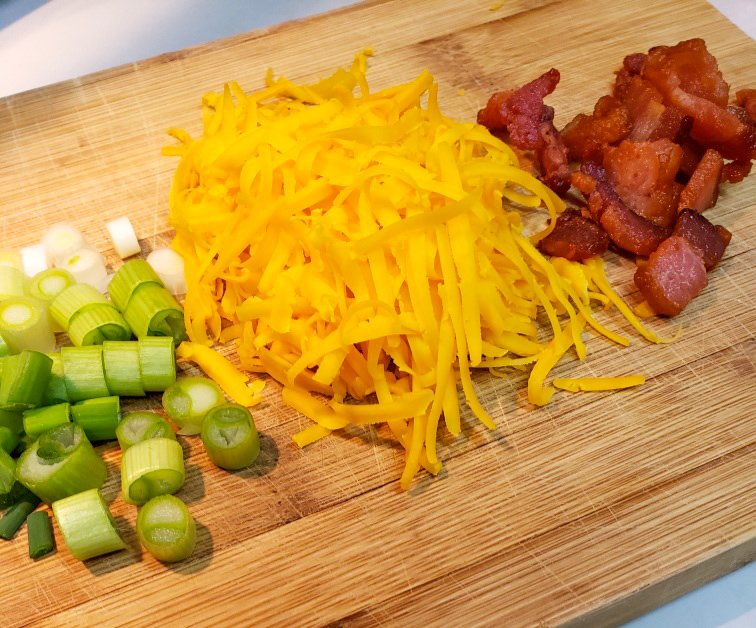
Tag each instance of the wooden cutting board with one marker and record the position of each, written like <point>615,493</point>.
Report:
<point>591,510</point>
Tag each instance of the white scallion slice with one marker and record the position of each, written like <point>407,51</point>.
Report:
<point>34,259</point>
<point>86,265</point>
<point>169,266</point>
<point>123,237</point>
<point>60,241</point>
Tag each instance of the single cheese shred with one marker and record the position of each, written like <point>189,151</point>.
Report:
<point>359,245</point>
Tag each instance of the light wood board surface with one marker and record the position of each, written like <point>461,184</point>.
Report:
<point>591,510</point>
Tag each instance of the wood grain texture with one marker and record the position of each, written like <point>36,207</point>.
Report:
<point>589,511</point>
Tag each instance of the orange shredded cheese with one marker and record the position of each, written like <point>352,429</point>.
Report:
<point>228,377</point>
<point>357,243</point>
<point>584,384</point>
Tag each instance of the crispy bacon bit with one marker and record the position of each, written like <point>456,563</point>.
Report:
<point>575,237</point>
<point>586,135</point>
<point>530,125</point>
<point>702,189</point>
<point>627,230</point>
<point>688,66</point>
<point>650,118</point>
<point>688,78</point>
<point>708,239</point>
<point>746,98</point>
<point>521,111</point>
<point>631,66</point>
<point>674,275</point>
<point>643,175</point>
<point>736,171</point>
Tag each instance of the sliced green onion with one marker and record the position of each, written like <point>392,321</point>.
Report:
<point>86,265</point>
<point>87,526</point>
<point>24,380</point>
<point>48,284</point>
<point>24,444</point>
<point>150,468</point>
<point>166,529</point>
<point>16,516</point>
<point>60,463</point>
<point>41,540</point>
<point>98,417</point>
<point>25,324</point>
<point>11,428</point>
<point>4,347</point>
<point>84,373</point>
<point>153,311</point>
<point>138,426</point>
<point>38,420</point>
<point>230,436</point>
<point>56,387</point>
<point>96,325</point>
<point>157,362</point>
<point>189,400</point>
<point>10,257</point>
<point>74,300</point>
<point>7,472</point>
<point>128,278</point>
<point>122,372</point>
<point>12,282</point>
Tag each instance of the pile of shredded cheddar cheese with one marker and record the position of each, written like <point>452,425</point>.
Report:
<point>359,244</point>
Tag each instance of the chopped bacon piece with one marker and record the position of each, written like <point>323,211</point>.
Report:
<point>521,111</point>
<point>586,135</point>
<point>708,239</point>
<point>673,276</point>
<point>631,66</point>
<point>575,237</point>
<point>702,189</point>
<point>746,98</point>
<point>530,125</point>
<point>627,230</point>
<point>650,118</point>
<point>692,153</point>
<point>736,171</point>
<point>643,175</point>
<point>688,78</point>
<point>552,156</point>
<point>690,67</point>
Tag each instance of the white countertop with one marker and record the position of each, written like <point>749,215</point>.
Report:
<point>43,42</point>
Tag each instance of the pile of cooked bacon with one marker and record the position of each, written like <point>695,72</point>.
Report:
<point>651,158</point>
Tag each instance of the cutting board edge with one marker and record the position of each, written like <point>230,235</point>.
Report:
<point>638,603</point>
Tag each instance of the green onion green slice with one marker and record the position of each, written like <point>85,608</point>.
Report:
<point>230,437</point>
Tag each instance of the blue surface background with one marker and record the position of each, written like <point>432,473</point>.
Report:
<point>63,39</point>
